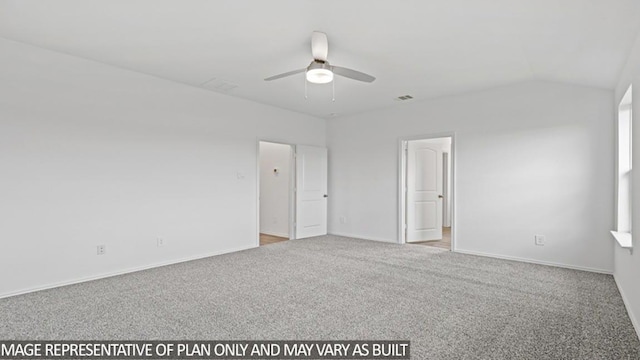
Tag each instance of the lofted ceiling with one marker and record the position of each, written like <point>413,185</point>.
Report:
<point>423,48</point>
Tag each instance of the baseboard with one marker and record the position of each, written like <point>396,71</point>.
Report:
<point>532,261</point>
<point>121,272</point>
<point>634,320</point>
<point>275,233</point>
<point>503,257</point>
<point>362,237</point>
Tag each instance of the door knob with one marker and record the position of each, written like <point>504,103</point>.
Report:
<point>325,195</point>
<point>440,196</point>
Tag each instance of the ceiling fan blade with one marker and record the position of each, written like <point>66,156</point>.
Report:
<point>319,45</point>
<point>279,76</point>
<point>352,74</point>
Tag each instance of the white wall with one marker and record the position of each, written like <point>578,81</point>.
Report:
<point>91,154</point>
<point>627,265</point>
<point>531,158</point>
<point>274,188</point>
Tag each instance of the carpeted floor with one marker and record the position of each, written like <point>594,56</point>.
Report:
<point>451,306</point>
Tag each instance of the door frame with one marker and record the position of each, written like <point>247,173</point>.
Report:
<point>402,183</point>
<point>292,188</point>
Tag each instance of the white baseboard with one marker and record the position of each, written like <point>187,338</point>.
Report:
<point>121,272</point>
<point>275,233</point>
<point>363,237</point>
<point>634,320</point>
<point>532,261</point>
<point>478,253</point>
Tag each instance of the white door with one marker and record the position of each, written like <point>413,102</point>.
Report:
<point>311,191</point>
<point>424,191</point>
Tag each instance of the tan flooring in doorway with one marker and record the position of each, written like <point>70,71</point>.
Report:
<point>445,243</point>
<point>270,239</point>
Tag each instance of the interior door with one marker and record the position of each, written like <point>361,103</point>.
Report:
<point>424,191</point>
<point>311,191</point>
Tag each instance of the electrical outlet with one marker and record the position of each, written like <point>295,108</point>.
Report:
<point>102,249</point>
<point>160,242</point>
<point>539,240</point>
<point>343,220</point>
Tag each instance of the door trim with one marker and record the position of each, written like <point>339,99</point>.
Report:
<point>402,183</point>
<point>292,187</point>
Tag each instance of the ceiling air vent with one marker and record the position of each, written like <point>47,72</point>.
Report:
<point>404,97</point>
<point>219,85</point>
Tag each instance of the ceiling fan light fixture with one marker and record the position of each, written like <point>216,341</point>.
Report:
<point>319,72</point>
<point>319,76</point>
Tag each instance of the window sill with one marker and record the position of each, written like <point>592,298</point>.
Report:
<point>623,239</point>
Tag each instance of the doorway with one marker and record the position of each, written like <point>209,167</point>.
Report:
<point>276,179</point>
<point>292,192</point>
<point>426,191</point>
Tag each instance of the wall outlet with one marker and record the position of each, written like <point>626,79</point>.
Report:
<point>343,220</point>
<point>539,240</point>
<point>160,242</point>
<point>102,249</point>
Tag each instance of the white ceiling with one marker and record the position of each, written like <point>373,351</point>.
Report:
<point>425,48</point>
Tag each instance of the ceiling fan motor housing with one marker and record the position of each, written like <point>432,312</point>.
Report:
<point>319,64</point>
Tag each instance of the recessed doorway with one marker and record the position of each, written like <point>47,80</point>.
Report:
<point>276,166</point>
<point>292,192</point>
<point>426,191</point>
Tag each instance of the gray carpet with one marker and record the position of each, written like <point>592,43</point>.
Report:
<point>451,306</point>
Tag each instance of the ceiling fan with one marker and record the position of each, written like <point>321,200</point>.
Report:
<point>320,71</point>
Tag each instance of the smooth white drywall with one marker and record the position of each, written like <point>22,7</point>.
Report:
<point>531,158</point>
<point>627,264</point>
<point>274,188</point>
<point>91,154</point>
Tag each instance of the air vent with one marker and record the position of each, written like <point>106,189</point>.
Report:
<point>219,85</point>
<point>404,97</point>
